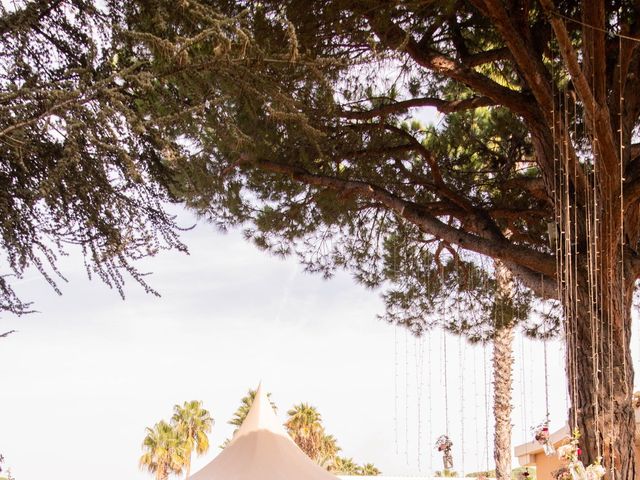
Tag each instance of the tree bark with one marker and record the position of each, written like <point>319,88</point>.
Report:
<point>502,408</point>
<point>503,372</point>
<point>601,386</point>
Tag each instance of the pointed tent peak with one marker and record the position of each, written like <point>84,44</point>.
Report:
<point>261,416</point>
<point>259,390</point>
<point>262,450</point>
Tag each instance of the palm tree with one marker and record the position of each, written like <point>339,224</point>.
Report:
<point>370,470</point>
<point>446,473</point>
<point>345,466</point>
<point>165,451</point>
<point>305,428</point>
<point>193,423</point>
<point>328,450</point>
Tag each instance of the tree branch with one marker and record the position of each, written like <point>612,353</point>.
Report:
<point>543,286</point>
<point>443,106</point>
<point>488,56</point>
<point>396,38</point>
<point>28,16</point>
<point>533,185</point>
<point>531,67</point>
<point>535,261</point>
<point>598,120</point>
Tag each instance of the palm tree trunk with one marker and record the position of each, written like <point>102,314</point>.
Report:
<point>189,448</point>
<point>502,368</point>
<point>503,372</point>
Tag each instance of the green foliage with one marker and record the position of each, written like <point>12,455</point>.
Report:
<point>303,124</point>
<point>72,173</point>
<point>164,451</point>
<point>369,469</point>
<point>483,473</point>
<point>168,445</point>
<point>192,423</point>
<point>445,473</point>
<point>304,425</point>
<point>345,466</point>
<point>288,167</point>
<point>263,116</point>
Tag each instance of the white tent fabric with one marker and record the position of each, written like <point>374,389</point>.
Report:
<point>262,450</point>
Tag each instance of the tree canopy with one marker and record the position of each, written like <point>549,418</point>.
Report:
<point>301,122</point>
<point>168,446</point>
<point>147,118</point>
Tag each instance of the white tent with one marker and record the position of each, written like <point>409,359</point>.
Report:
<point>262,450</point>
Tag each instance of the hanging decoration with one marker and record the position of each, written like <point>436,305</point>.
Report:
<point>525,475</point>
<point>595,471</point>
<point>462,404</point>
<point>543,437</point>
<point>444,444</point>
<point>576,469</point>
<point>571,452</point>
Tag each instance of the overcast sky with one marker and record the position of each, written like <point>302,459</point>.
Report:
<point>82,379</point>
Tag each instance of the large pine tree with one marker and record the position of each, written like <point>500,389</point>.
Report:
<point>300,121</point>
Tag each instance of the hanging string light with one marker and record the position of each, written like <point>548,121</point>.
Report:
<point>429,400</point>
<point>406,400</point>
<point>542,432</point>
<point>486,405</point>
<point>395,360</point>
<point>419,358</point>
<point>461,396</point>
<point>591,210</point>
<point>446,382</point>
<point>395,387</point>
<point>444,443</point>
<point>478,454</point>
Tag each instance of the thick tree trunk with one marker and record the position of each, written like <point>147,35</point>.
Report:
<point>600,374</point>
<point>593,230</point>
<point>503,372</point>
